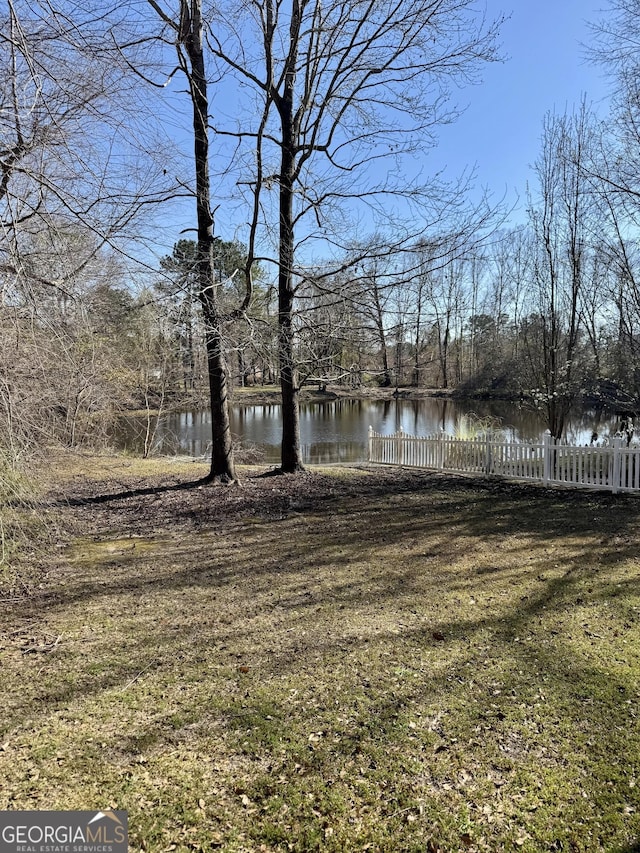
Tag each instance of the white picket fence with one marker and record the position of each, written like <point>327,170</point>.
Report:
<point>614,467</point>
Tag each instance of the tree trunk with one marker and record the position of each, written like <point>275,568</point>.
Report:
<point>222,465</point>
<point>291,457</point>
<point>382,338</point>
<point>443,352</point>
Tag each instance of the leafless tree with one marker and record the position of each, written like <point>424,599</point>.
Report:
<point>70,150</point>
<point>334,98</point>
<point>75,182</point>
<point>616,47</point>
<point>560,221</point>
<point>183,25</point>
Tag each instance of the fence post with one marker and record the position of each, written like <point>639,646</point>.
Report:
<point>399,436</point>
<point>488,462</point>
<point>441,450</point>
<point>615,465</point>
<point>370,445</point>
<point>546,451</point>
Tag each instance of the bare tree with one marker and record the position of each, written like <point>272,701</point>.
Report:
<point>69,138</point>
<point>73,183</point>
<point>375,283</point>
<point>616,47</point>
<point>186,26</point>
<point>615,294</point>
<point>560,222</point>
<point>338,96</point>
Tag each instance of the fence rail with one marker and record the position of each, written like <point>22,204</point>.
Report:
<point>615,467</point>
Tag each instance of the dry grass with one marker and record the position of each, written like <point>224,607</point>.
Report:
<point>352,660</point>
<point>26,527</point>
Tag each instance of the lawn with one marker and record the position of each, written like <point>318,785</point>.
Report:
<point>355,659</point>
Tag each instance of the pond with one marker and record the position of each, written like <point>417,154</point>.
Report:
<point>336,430</point>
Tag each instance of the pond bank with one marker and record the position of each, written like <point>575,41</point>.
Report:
<point>270,394</point>
<point>256,394</point>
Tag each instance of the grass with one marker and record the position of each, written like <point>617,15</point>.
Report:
<point>364,661</point>
<point>23,523</point>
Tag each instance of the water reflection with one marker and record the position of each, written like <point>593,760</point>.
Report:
<point>336,430</point>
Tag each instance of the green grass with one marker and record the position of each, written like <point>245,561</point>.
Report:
<point>389,662</point>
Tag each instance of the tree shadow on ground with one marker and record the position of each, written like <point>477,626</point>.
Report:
<point>238,611</point>
<point>139,492</point>
<point>323,521</point>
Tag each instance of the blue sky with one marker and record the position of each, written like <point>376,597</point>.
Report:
<point>545,70</point>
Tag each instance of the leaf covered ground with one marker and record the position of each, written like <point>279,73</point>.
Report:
<point>352,659</point>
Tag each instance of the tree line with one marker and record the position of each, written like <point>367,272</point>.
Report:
<point>348,266</point>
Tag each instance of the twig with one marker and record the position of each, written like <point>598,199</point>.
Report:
<point>45,649</point>
<point>22,630</point>
<point>136,677</point>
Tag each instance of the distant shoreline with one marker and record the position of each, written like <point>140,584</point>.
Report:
<point>255,395</point>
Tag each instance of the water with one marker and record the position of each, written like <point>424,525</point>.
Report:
<point>336,430</point>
